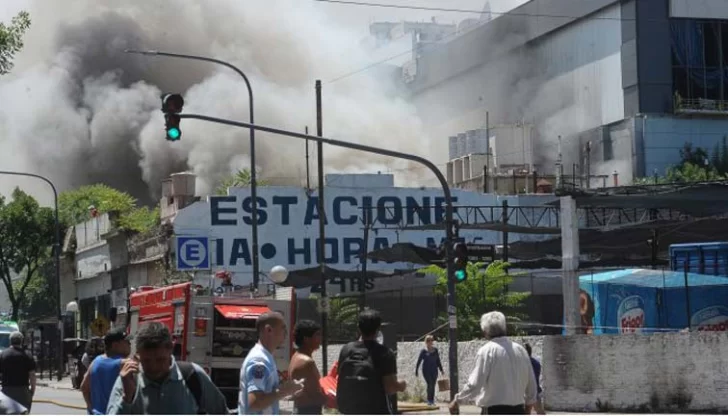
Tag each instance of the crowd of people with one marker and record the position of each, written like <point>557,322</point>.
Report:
<point>504,380</point>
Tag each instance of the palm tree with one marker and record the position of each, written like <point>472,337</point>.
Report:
<point>239,179</point>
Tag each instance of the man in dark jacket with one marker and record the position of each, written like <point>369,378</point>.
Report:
<point>367,372</point>
<point>17,372</point>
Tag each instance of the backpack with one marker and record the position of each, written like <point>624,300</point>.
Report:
<point>192,380</point>
<point>359,383</point>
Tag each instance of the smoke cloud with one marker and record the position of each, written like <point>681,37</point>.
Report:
<point>78,110</point>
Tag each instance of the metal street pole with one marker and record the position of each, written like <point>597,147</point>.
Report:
<point>451,311</point>
<point>322,233</point>
<point>57,259</point>
<point>253,175</point>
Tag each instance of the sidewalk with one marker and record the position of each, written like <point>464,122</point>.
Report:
<point>52,382</point>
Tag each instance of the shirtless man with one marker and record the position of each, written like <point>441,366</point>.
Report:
<point>307,336</point>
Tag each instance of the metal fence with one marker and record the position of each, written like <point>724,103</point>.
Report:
<point>417,311</point>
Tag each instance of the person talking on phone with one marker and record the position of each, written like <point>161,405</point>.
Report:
<point>260,388</point>
<point>154,383</point>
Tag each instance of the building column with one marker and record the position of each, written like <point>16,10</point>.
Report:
<point>570,264</point>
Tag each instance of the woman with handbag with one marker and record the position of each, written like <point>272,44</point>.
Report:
<point>430,360</point>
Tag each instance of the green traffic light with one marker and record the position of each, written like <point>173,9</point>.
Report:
<point>174,133</point>
<point>460,275</point>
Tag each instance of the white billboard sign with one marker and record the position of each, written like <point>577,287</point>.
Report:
<point>289,234</point>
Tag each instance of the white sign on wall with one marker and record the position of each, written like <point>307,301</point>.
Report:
<point>288,227</point>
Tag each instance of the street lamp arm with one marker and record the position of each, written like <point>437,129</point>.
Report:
<point>253,164</point>
<point>197,58</point>
<point>337,143</point>
<point>57,259</point>
<point>33,175</point>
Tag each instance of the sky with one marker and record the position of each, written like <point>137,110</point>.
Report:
<point>101,127</point>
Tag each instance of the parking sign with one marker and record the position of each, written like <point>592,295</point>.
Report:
<point>193,253</point>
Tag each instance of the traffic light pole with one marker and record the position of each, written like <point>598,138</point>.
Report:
<point>253,175</point>
<point>451,311</point>
<point>57,260</point>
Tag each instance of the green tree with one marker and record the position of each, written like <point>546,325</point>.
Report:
<point>11,40</point>
<point>695,166</point>
<point>486,289</point>
<point>239,179</point>
<point>689,172</point>
<point>26,233</point>
<point>342,318</point>
<point>694,156</point>
<point>40,295</point>
<point>73,206</point>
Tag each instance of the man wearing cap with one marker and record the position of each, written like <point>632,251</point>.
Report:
<point>17,369</point>
<point>104,370</point>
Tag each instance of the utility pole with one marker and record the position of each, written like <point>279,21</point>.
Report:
<point>364,259</point>
<point>308,173</point>
<point>570,263</point>
<point>322,233</point>
<point>588,164</point>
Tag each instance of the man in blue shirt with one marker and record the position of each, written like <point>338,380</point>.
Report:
<point>536,372</point>
<point>260,387</point>
<point>104,370</point>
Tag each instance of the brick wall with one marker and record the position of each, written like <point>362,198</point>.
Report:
<point>658,373</point>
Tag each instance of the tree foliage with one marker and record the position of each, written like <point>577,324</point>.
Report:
<point>240,179</point>
<point>11,40</point>
<point>74,204</point>
<point>27,231</point>
<point>486,289</point>
<point>40,295</point>
<point>342,318</point>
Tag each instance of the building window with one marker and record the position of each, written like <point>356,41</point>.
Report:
<point>607,150</point>
<point>104,306</point>
<point>87,307</point>
<point>699,63</point>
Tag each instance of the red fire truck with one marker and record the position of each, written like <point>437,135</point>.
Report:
<point>213,330</point>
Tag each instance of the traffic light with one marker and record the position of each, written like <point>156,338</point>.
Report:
<point>171,107</point>
<point>460,253</point>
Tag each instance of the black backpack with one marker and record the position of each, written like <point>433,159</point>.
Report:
<point>360,389</point>
<point>192,380</point>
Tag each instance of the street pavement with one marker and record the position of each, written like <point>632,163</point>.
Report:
<point>54,397</point>
<point>57,401</point>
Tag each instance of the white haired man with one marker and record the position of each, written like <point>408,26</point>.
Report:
<point>502,382</point>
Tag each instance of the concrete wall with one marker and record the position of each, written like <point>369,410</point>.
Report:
<point>408,352</point>
<point>661,372</point>
<point>658,373</point>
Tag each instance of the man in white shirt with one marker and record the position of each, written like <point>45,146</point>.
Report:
<point>502,381</point>
<point>260,387</point>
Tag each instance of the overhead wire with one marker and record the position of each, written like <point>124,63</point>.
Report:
<point>473,11</point>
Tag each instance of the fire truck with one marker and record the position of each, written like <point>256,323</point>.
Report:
<point>213,328</point>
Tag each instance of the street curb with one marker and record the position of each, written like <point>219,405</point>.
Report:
<point>52,386</point>
<point>60,404</point>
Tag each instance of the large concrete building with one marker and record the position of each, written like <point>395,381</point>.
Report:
<point>633,79</point>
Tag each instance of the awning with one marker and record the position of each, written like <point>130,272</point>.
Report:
<point>241,311</point>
